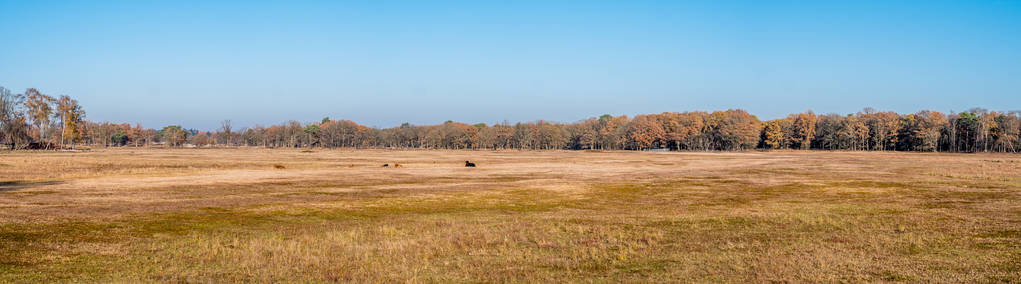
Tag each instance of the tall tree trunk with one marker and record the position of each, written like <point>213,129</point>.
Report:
<point>63,129</point>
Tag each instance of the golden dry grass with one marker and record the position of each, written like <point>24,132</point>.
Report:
<point>225,215</point>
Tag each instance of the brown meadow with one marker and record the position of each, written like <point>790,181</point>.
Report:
<point>265,215</point>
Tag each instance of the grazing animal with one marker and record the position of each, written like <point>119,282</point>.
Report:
<point>386,165</point>
<point>469,164</point>
<point>278,166</point>
<point>396,165</point>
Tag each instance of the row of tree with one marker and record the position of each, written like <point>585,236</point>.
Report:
<point>33,118</point>
<point>977,130</point>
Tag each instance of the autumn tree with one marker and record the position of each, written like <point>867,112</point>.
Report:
<point>173,135</point>
<point>200,139</point>
<point>39,107</point>
<point>403,136</point>
<point>686,130</point>
<point>921,131</point>
<point>1006,135</point>
<point>858,131</point>
<point>772,135</point>
<point>150,136</point>
<point>583,135</point>
<point>645,131</point>
<point>612,131</point>
<point>803,130</point>
<point>549,136</point>
<point>71,117</point>
<point>882,126</point>
<point>733,129</point>
<point>502,135</point>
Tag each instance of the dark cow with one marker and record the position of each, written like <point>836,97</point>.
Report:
<point>469,164</point>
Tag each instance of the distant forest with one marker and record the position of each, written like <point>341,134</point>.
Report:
<point>32,120</point>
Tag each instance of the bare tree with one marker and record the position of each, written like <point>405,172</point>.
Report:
<point>13,128</point>
<point>225,130</point>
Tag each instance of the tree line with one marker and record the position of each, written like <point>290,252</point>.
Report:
<point>36,120</point>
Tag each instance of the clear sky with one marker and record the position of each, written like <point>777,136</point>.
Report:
<point>381,63</point>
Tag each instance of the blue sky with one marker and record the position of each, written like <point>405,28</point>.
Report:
<point>381,63</point>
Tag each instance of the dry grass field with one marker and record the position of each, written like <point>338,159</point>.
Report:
<point>225,215</point>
